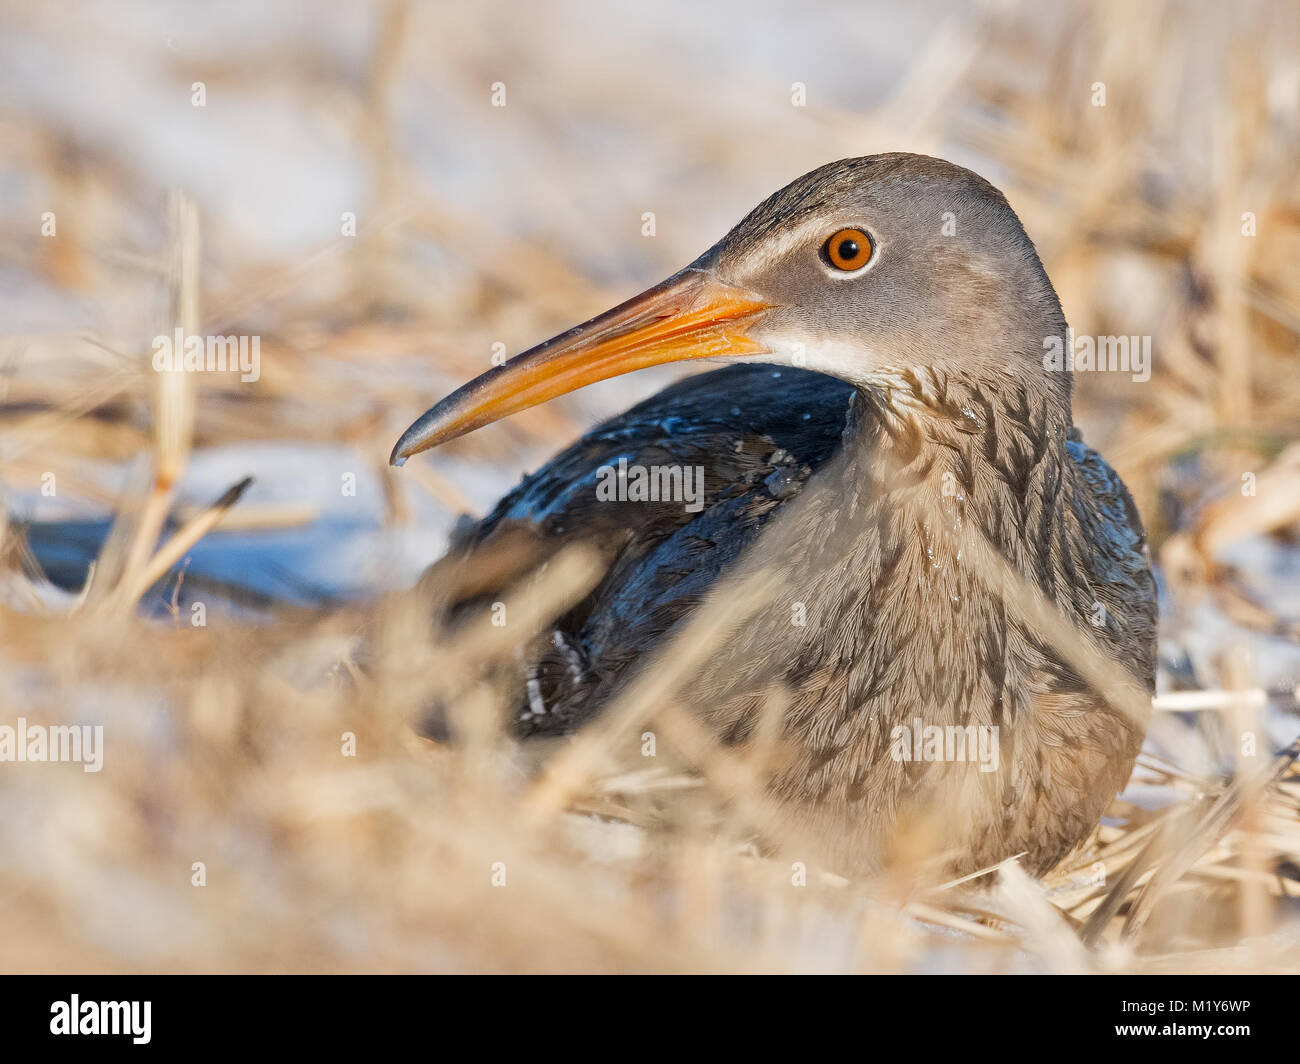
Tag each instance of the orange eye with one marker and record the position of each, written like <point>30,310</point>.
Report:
<point>849,249</point>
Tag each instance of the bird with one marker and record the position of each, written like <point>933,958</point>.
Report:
<point>887,438</point>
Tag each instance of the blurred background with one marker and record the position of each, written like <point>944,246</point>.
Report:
<point>387,194</point>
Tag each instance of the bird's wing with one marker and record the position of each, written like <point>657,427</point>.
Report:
<point>753,434</point>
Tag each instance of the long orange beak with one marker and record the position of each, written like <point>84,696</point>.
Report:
<point>690,315</point>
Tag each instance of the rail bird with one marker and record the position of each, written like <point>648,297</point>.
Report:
<point>956,567</point>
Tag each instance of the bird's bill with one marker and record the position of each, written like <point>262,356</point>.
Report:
<point>690,315</point>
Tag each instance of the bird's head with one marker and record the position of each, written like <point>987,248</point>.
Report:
<point>876,270</point>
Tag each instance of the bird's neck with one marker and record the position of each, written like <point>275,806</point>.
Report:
<point>973,455</point>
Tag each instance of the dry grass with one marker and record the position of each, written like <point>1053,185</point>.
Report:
<point>224,741</point>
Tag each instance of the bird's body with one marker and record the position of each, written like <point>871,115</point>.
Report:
<point>873,497</point>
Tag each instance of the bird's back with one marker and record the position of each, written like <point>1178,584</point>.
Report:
<point>751,434</point>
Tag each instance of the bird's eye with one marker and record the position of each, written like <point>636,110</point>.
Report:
<point>848,249</point>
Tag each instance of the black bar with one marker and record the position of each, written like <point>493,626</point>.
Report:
<point>598,1015</point>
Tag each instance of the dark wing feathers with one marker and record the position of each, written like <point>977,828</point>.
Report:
<point>756,432</point>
